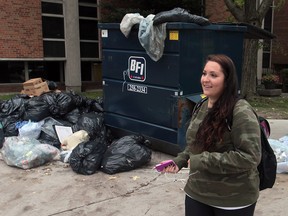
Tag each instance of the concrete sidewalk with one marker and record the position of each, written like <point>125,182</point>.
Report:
<point>54,189</point>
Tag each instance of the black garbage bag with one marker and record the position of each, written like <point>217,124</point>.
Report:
<point>73,116</point>
<point>36,109</point>
<point>48,134</point>
<point>126,153</point>
<point>86,157</point>
<point>95,104</point>
<point>11,111</point>
<point>2,137</point>
<point>91,122</point>
<point>47,139</point>
<point>79,100</point>
<point>9,125</point>
<point>106,135</point>
<point>51,85</point>
<point>179,15</point>
<point>50,99</point>
<point>65,103</point>
<point>14,106</point>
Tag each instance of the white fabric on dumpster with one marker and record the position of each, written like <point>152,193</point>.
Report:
<point>128,21</point>
<point>151,37</point>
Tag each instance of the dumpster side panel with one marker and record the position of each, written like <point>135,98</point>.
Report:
<point>142,102</point>
<point>163,73</point>
<point>141,127</point>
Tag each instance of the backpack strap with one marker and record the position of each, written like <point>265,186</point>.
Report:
<point>265,126</point>
<point>198,105</point>
<point>195,110</point>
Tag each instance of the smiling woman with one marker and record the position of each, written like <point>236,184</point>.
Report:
<point>212,81</point>
<point>217,155</point>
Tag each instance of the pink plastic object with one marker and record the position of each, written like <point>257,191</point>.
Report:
<point>162,166</point>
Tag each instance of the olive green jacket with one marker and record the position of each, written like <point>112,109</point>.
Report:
<point>228,176</point>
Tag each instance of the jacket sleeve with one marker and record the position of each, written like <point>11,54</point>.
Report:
<point>245,137</point>
<point>182,159</point>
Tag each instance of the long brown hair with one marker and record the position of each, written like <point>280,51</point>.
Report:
<point>214,124</point>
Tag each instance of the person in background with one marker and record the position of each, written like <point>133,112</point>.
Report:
<point>223,178</point>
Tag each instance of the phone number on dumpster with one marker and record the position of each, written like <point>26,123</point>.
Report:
<point>137,88</point>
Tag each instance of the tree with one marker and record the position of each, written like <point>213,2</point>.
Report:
<point>252,12</point>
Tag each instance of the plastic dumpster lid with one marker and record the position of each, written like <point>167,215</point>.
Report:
<point>195,97</point>
<point>252,32</point>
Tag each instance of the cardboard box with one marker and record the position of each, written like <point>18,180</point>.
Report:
<point>30,84</point>
<point>35,87</point>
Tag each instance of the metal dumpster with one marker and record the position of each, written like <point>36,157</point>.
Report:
<point>155,98</point>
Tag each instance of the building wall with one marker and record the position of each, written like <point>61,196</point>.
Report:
<point>280,29</point>
<point>20,29</point>
<point>57,40</point>
<point>216,11</point>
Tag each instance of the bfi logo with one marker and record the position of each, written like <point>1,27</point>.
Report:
<point>137,68</point>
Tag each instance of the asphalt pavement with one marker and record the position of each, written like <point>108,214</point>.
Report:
<point>54,189</point>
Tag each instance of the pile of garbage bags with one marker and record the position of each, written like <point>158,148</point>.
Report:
<point>28,138</point>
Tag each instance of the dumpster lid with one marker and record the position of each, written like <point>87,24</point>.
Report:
<point>252,32</point>
<point>249,31</point>
<point>195,97</point>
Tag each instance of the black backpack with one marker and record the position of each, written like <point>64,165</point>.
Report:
<point>268,164</point>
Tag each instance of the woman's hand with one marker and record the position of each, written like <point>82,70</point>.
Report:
<point>171,168</point>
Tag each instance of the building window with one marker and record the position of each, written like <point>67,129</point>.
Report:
<point>86,71</point>
<point>89,41</point>
<point>85,11</point>
<point>88,1</point>
<point>89,49</point>
<point>88,30</point>
<point>54,70</point>
<point>16,71</point>
<point>48,70</point>
<point>88,24</point>
<point>12,72</point>
<point>53,29</point>
<point>54,48</point>
<point>52,8</point>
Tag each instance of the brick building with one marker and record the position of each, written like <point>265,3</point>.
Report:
<point>280,44</point>
<point>53,39</point>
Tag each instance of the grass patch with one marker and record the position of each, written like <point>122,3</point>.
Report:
<point>271,107</point>
<point>92,95</point>
<point>6,96</point>
<point>267,102</point>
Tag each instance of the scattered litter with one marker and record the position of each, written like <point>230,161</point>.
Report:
<point>135,177</point>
